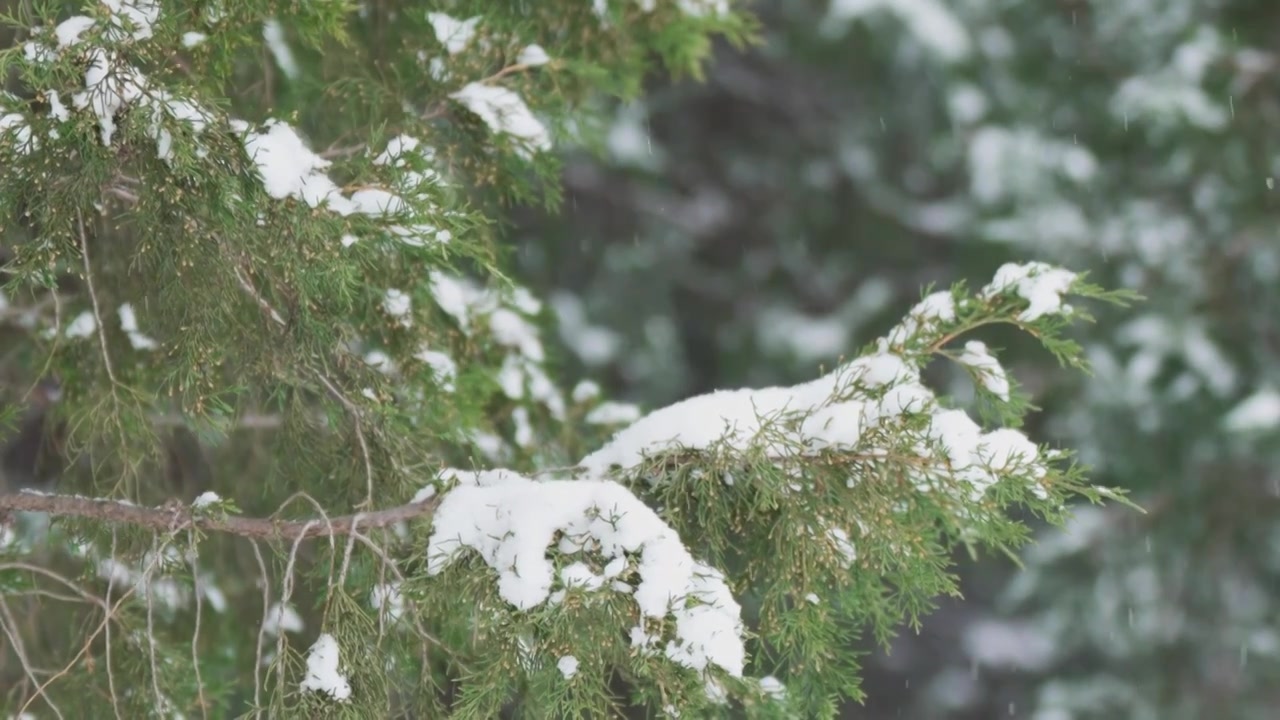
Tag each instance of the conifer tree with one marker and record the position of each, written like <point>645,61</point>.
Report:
<point>309,454</point>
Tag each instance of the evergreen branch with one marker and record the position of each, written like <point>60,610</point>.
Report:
<point>416,616</point>
<point>173,516</point>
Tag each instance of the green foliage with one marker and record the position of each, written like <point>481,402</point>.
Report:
<point>247,262</point>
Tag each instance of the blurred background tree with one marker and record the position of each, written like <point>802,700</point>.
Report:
<point>746,230</point>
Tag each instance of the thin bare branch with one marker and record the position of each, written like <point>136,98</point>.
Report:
<point>10,628</point>
<point>173,517</point>
<point>93,298</point>
<point>359,426</point>
<point>258,298</point>
<point>195,632</point>
<point>111,675</point>
<point>262,630</point>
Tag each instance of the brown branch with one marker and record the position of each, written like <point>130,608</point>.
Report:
<point>173,517</point>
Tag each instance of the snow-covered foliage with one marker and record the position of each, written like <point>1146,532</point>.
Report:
<point>315,456</point>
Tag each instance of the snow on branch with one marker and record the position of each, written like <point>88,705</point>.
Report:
<point>511,521</point>
<point>875,406</point>
<point>850,408</point>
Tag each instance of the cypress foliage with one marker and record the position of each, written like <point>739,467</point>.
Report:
<point>316,461</point>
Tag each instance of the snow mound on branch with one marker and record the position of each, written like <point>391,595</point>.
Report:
<point>990,373</point>
<point>289,168</point>
<point>322,670</point>
<point>505,113</point>
<point>837,410</point>
<point>1039,284</point>
<point>511,521</point>
<point>736,417</point>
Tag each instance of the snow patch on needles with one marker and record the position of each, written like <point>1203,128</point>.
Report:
<point>322,670</point>
<point>289,169</point>
<point>939,307</point>
<point>613,413</point>
<point>1040,284</point>
<point>282,618</point>
<point>568,666</point>
<point>205,499</point>
<point>273,34</point>
<point>522,372</point>
<point>736,417</point>
<point>533,56</point>
<point>452,33</point>
<point>111,84</point>
<point>129,323</point>
<point>990,373</point>
<point>387,598</point>
<point>505,113</point>
<point>511,521</point>
<point>841,409</point>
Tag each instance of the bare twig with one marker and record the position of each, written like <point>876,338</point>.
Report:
<point>364,444</point>
<point>346,556</point>
<point>93,297</point>
<point>248,421</point>
<point>10,628</point>
<point>342,152</point>
<point>151,628</point>
<point>124,194</point>
<point>286,590</point>
<point>195,633</point>
<point>262,630</point>
<point>262,302</point>
<point>108,613</point>
<point>171,518</point>
<point>111,675</point>
<point>508,70</point>
<point>414,614</point>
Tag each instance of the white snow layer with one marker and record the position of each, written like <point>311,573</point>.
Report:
<point>1039,284</point>
<point>454,34</point>
<point>273,35</point>
<point>990,373</point>
<point>289,169</point>
<point>505,113</point>
<point>205,499</point>
<point>568,666</point>
<point>511,521</point>
<point>322,670</point>
<point>129,323</point>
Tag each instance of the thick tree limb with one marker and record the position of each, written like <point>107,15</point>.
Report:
<point>177,516</point>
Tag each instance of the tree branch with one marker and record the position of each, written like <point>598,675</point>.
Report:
<point>173,517</point>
